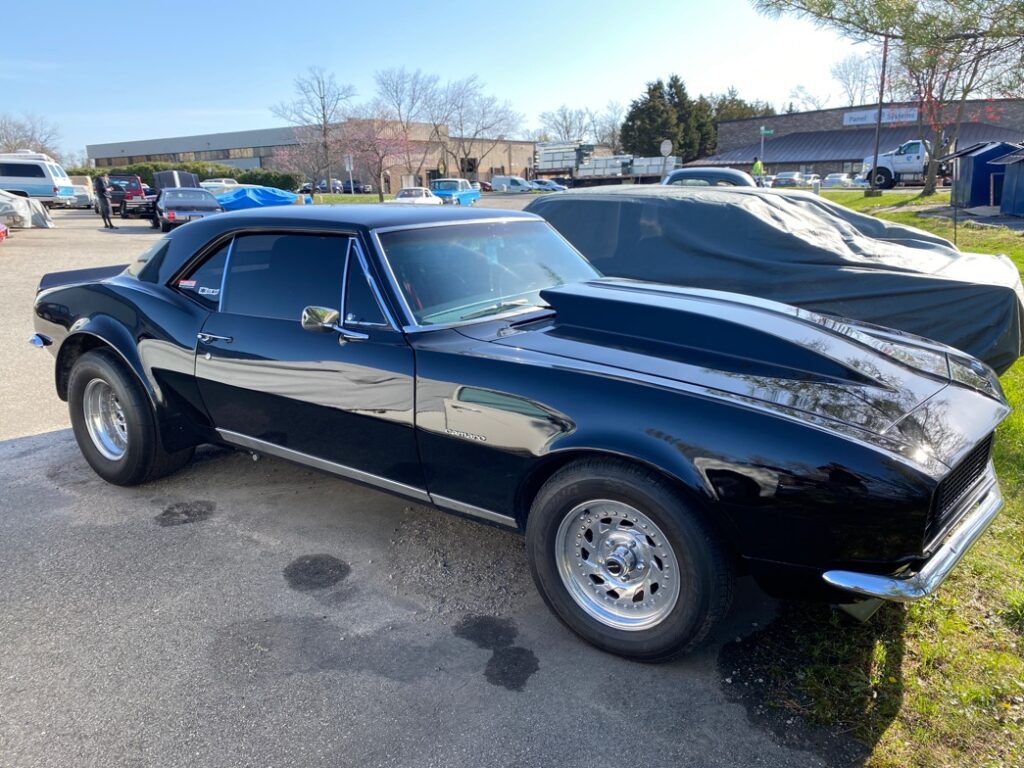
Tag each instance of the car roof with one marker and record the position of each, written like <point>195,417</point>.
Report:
<point>187,240</point>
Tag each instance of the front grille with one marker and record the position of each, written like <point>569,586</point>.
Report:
<point>955,486</point>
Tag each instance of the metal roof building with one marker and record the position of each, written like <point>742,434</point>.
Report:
<point>824,150</point>
<point>837,140</point>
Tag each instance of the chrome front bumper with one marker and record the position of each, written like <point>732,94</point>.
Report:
<point>981,505</point>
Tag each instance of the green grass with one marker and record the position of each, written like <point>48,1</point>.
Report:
<point>856,200</point>
<point>941,683</point>
<point>327,199</point>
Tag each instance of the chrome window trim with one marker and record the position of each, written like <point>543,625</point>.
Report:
<point>224,275</point>
<point>273,449</point>
<point>390,323</point>
<point>411,326</point>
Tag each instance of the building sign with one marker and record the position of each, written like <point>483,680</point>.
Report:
<point>889,115</point>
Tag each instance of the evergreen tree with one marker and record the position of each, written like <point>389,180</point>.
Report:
<point>686,140</point>
<point>650,120</point>
<point>704,127</point>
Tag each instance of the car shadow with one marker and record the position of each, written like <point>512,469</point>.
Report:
<point>819,679</point>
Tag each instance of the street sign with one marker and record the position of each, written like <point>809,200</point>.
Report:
<point>348,162</point>
<point>666,147</point>
<point>767,131</point>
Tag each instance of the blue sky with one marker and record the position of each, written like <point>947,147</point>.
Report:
<point>99,72</point>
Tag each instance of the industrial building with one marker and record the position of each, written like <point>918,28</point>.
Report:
<point>837,140</point>
<point>267,148</point>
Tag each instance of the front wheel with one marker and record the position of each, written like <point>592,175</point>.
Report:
<point>114,424</point>
<point>883,179</point>
<point>625,562</point>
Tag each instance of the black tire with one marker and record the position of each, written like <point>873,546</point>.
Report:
<point>705,570</point>
<point>154,222</point>
<point>883,179</point>
<point>144,458</point>
<point>165,227</point>
<point>123,210</point>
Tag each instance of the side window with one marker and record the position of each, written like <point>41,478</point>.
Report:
<point>204,282</point>
<point>280,275</point>
<point>361,306</point>
<point>23,170</point>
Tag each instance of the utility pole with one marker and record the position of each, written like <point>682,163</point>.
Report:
<point>874,191</point>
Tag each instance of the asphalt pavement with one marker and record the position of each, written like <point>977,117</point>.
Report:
<point>257,613</point>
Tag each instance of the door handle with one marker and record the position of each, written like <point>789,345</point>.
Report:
<point>208,338</point>
<point>344,334</point>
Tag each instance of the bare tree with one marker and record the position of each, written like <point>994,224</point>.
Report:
<point>565,124</point>
<point>606,126</point>
<point>856,76</point>
<point>408,97</point>
<point>478,123</point>
<point>317,111</point>
<point>28,132</point>
<point>377,141</point>
<point>805,100</point>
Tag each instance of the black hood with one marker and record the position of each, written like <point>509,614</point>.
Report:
<point>762,352</point>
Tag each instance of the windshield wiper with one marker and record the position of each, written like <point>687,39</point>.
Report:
<point>499,307</point>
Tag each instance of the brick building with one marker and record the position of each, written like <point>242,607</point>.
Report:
<point>258,148</point>
<point>835,140</point>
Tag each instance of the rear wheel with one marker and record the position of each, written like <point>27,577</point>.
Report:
<point>165,227</point>
<point>114,424</point>
<point>124,211</point>
<point>625,562</point>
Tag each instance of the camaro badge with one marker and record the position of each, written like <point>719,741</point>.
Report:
<point>467,435</point>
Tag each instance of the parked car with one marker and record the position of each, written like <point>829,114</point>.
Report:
<point>837,181</point>
<point>416,196</point>
<point>788,179</point>
<point>455,191</point>
<point>356,187</point>
<point>547,185</point>
<point>180,205</point>
<point>810,179</point>
<point>124,186</point>
<point>485,186</point>
<point>800,249</point>
<point>35,175</point>
<point>511,184</point>
<point>648,440</point>
<point>708,177</point>
<point>768,180</point>
<point>84,196</point>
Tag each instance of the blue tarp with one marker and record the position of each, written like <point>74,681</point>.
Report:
<point>255,197</point>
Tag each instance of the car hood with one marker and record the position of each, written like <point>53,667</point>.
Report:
<point>759,352</point>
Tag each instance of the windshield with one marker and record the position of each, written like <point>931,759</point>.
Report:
<point>449,274</point>
<point>445,185</point>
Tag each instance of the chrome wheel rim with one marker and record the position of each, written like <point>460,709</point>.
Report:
<point>105,420</point>
<point>617,565</point>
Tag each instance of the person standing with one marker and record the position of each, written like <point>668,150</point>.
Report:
<point>757,171</point>
<point>102,186</point>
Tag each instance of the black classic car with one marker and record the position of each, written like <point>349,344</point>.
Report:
<point>180,205</point>
<point>650,441</point>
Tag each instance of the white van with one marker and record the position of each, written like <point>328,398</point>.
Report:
<point>35,175</point>
<point>511,184</point>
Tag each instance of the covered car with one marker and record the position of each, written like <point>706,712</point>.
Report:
<point>799,249</point>
<point>255,197</point>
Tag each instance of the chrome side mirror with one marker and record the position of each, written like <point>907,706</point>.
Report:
<point>320,319</point>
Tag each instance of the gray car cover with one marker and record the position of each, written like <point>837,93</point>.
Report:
<point>797,248</point>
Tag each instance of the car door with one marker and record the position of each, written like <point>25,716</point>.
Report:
<point>338,396</point>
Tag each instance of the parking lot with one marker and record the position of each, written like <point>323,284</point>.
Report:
<point>256,613</point>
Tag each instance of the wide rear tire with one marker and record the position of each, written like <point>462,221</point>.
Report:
<point>114,423</point>
<point>625,562</point>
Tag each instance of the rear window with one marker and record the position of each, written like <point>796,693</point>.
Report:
<point>188,194</point>
<point>23,170</point>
